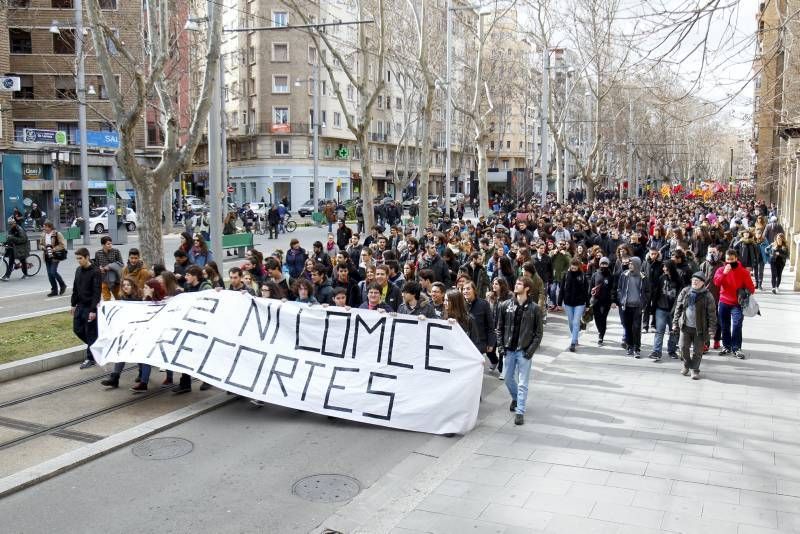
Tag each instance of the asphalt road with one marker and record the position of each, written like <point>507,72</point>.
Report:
<point>238,477</point>
<point>20,299</point>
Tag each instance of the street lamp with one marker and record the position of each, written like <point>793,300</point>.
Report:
<point>315,112</point>
<point>80,89</point>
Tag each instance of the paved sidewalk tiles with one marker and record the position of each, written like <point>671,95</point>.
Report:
<point>624,446</point>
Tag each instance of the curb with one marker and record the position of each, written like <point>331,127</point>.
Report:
<point>41,363</point>
<point>42,313</point>
<point>61,464</point>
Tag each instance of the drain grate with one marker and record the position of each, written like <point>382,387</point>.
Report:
<point>162,448</point>
<point>327,488</point>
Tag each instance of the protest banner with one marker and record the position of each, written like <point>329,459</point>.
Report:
<point>391,370</point>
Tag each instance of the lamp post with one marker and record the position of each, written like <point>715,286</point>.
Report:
<point>80,89</point>
<point>315,124</point>
<point>544,116</point>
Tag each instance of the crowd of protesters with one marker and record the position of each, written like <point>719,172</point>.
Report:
<point>679,267</point>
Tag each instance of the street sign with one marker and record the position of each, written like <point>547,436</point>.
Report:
<point>37,135</point>
<point>9,83</point>
<point>102,139</point>
<point>230,189</point>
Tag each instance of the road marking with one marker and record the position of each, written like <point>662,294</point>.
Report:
<point>41,291</point>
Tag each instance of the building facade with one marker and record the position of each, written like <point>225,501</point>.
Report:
<point>38,47</point>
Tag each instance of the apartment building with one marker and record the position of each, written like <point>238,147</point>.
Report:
<point>270,77</point>
<point>38,47</point>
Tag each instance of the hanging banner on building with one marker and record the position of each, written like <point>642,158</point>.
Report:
<point>390,370</point>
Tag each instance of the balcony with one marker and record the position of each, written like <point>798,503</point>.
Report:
<point>378,137</point>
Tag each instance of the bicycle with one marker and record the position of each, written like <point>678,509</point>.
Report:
<point>34,263</point>
<point>289,224</point>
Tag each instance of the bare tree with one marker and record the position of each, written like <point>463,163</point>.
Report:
<point>479,106</point>
<point>369,50</point>
<point>149,61</point>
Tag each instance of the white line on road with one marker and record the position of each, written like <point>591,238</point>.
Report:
<point>40,292</point>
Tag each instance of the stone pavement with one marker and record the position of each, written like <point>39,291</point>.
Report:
<point>617,445</point>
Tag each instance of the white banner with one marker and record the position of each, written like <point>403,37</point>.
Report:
<point>383,369</point>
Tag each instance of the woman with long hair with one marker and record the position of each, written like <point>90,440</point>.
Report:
<point>153,291</point>
<point>199,253</point>
<point>506,271</point>
<point>211,273</point>
<point>779,254</point>
<point>576,297</point>
<point>170,284</point>
<point>270,290</point>
<point>455,311</point>
<point>128,291</point>
<point>665,293</point>
<point>498,294</point>
<point>186,242</point>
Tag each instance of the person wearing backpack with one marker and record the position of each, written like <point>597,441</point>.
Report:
<point>695,318</point>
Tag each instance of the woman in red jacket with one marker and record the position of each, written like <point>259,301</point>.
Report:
<point>730,278</point>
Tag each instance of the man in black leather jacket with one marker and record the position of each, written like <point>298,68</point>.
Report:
<point>519,333</point>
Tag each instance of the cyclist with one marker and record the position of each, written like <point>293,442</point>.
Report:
<point>17,248</point>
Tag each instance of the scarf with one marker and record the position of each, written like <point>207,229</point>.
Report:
<point>329,245</point>
<point>693,297</point>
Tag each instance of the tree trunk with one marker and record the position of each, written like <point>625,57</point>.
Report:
<point>368,206</point>
<point>590,187</point>
<point>483,182</point>
<point>148,211</point>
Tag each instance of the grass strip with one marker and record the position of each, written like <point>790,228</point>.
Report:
<point>37,335</point>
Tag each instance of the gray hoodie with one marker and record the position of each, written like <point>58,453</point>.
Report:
<point>632,289</point>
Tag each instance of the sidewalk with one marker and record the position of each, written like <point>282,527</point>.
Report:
<point>617,445</point>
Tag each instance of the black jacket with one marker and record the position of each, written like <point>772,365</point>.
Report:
<point>544,266</point>
<point>530,331</point>
<point>481,313</point>
<point>604,284</point>
<point>353,293</point>
<point>576,288</point>
<point>664,293</point>
<point>440,269</point>
<point>86,288</point>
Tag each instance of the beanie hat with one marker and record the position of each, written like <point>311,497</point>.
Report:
<point>700,276</point>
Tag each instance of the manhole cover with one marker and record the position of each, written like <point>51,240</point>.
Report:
<point>162,448</point>
<point>327,488</point>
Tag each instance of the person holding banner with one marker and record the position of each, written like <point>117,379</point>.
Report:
<point>519,333</point>
<point>373,301</point>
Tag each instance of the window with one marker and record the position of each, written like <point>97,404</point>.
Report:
<point>25,88</point>
<point>281,147</point>
<point>64,42</point>
<point>20,41</point>
<point>505,164</point>
<point>388,76</point>
<point>380,153</point>
<point>19,129</point>
<point>72,131</point>
<point>112,48</point>
<point>508,145</point>
<point>520,145</point>
<point>155,136</point>
<point>280,84</point>
<point>19,3</point>
<point>350,92</point>
<point>398,104</point>
<point>108,4</point>
<point>99,83</point>
<point>323,87</point>
<point>279,19</point>
<point>234,90</point>
<point>233,119</point>
<point>380,102</point>
<point>65,88</point>
<point>280,52</point>
<point>61,4</point>
<point>280,115</point>
<point>337,119</point>
<point>324,117</point>
<point>491,145</point>
<point>312,54</point>
<point>251,53</point>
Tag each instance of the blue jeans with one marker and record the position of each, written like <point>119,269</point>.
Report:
<point>731,319</point>
<point>574,314</point>
<point>663,318</point>
<point>517,366</point>
<point>53,277</point>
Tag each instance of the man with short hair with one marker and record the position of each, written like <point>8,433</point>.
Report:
<point>323,291</point>
<point>275,274</point>
<point>236,277</point>
<point>438,291</point>
<point>390,294</point>
<point>195,281</point>
<point>732,279</point>
<point>373,301</point>
<point>414,303</point>
<point>136,269</point>
<point>349,285</point>
<point>519,332</point>
<point>435,263</point>
<point>85,298</point>
<point>109,260</point>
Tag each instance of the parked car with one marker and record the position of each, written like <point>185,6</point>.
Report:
<point>455,198</point>
<point>433,200</point>
<point>98,220</point>
<point>306,209</point>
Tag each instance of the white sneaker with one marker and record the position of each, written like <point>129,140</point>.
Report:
<point>695,374</point>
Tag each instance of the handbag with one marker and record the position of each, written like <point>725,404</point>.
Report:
<point>60,255</point>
